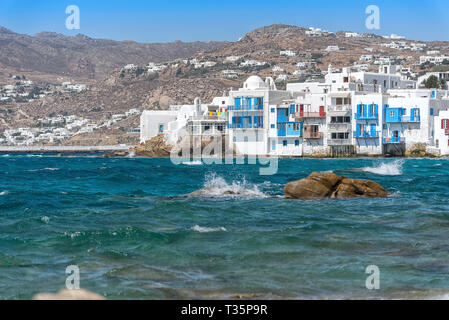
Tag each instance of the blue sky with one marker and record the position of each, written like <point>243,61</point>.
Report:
<point>190,20</point>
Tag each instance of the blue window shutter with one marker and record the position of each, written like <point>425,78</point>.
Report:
<point>237,102</point>
<point>376,109</point>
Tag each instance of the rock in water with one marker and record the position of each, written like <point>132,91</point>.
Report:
<point>329,185</point>
<point>210,191</point>
<point>316,186</point>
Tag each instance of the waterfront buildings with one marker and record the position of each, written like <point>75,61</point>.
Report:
<point>348,112</point>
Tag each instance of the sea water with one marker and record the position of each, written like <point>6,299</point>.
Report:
<point>127,226</point>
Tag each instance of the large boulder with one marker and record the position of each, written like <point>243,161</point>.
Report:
<point>329,185</point>
<point>317,185</point>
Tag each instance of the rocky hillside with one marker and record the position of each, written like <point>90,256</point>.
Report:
<point>84,57</point>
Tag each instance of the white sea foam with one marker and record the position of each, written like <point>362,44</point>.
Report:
<point>44,169</point>
<point>216,186</point>
<point>4,193</point>
<point>45,219</point>
<point>193,163</point>
<point>132,154</point>
<point>199,229</point>
<point>386,169</point>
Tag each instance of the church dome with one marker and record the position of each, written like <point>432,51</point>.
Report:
<point>254,83</point>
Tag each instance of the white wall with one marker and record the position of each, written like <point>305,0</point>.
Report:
<point>150,122</point>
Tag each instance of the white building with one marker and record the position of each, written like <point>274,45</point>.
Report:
<point>332,48</point>
<point>441,126</point>
<point>347,112</point>
<point>352,35</point>
<point>287,53</point>
<point>440,75</point>
<point>174,123</point>
<point>433,59</point>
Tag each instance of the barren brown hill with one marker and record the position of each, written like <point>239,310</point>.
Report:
<point>84,57</point>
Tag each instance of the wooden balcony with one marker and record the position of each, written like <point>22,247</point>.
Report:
<point>303,115</point>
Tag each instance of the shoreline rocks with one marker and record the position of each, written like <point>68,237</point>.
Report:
<point>328,185</point>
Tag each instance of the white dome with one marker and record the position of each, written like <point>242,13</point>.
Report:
<point>254,83</point>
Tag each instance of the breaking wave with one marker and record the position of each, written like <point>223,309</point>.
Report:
<point>3,193</point>
<point>44,169</point>
<point>199,229</point>
<point>387,169</point>
<point>193,163</point>
<point>217,186</point>
<point>131,154</point>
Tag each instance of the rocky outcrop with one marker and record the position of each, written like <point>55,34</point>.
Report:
<point>154,148</point>
<point>322,185</point>
<point>187,147</point>
<point>419,150</point>
<point>69,295</point>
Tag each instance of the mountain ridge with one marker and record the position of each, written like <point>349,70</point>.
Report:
<point>84,57</point>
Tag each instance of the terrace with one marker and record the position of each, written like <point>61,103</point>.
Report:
<point>393,140</point>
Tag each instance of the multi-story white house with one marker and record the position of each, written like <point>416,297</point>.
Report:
<point>441,126</point>
<point>256,113</point>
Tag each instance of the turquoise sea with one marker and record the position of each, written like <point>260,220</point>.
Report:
<point>126,225</point>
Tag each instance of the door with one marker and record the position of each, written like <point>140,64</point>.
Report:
<point>373,130</point>
<point>322,113</point>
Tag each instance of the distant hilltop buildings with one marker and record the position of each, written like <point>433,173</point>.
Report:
<point>56,129</point>
<point>349,112</point>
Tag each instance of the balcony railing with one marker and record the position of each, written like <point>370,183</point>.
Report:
<point>216,118</point>
<point>245,126</point>
<point>339,142</point>
<point>312,135</point>
<point>310,114</point>
<point>393,140</point>
<point>366,134</point>
<point>366,116</point>
<point>339,127</point>
<point>245,107</point>
<point>404,119</point>
<point>340,108</point>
